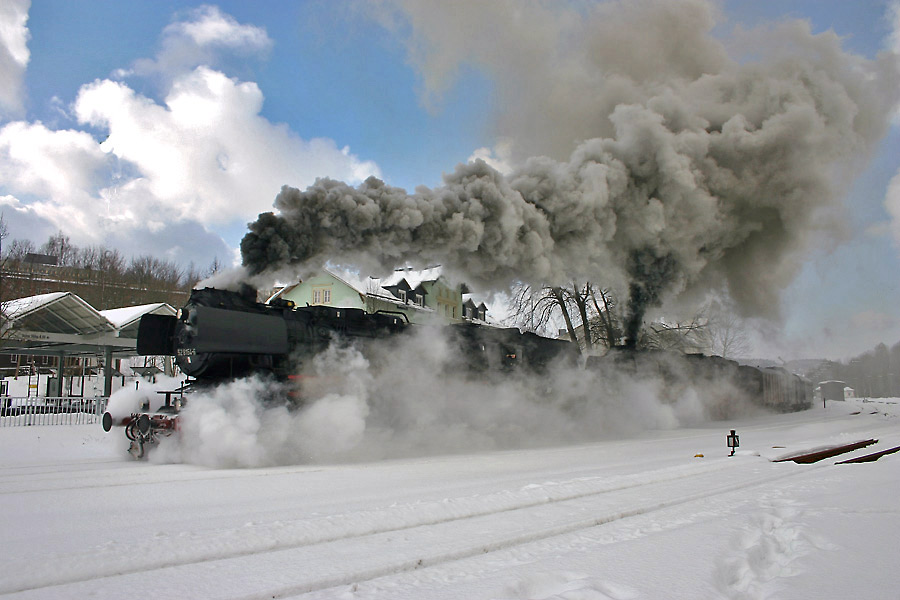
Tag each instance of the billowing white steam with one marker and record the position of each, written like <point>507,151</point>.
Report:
<point>415,402</point>
<point>127,400</point>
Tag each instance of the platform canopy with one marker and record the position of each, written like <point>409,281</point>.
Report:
<point>126,320</point>
<point>61,323</point>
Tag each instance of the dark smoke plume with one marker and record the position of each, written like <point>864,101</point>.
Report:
<point>705,172</point>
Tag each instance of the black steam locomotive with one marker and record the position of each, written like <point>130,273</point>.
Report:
<point>221,335</point>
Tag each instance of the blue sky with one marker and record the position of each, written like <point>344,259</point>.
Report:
<point>278,93</point>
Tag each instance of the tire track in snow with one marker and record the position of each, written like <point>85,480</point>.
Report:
<point>512,541</point>
<point>513,511</point>
<point>135,474</point>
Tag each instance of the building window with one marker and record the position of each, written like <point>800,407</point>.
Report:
<point>403,296</point>
<point>321,295</point>
<point>454,312</point>
<point>420,300</point>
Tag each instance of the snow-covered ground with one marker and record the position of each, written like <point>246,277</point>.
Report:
<point>664,514</point>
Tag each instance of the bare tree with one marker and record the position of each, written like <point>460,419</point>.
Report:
<point>579,295</point>
<point>595,312</point>
<point>60,246</point>
<point>691,335</point>
<point>5,294</point>
<point>727,332</point>
<point>190,277</point>
<point>607,325</point>
<point>214,267</point>
<point>534,309</point>
<point>17,250</point>
<point>4,257</point>
<point>148,272</point>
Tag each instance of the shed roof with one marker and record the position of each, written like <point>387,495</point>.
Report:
<point>128,318</point>
<point>57,312</point>
<point>63,323</point>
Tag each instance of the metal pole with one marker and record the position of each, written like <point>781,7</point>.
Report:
<point>60,373</point>
<point>107,371</point>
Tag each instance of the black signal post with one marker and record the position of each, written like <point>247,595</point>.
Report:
<point>733,441</point>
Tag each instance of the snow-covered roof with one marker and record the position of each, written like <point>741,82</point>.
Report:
<point>368,286</point>
<point>412,276</point>
<point>62,322</point>
<point>468,301</point>
<point>284,289</point>
<point>122,317</point>
<point>56,312</point>
<point>128,318</point>
<point>22,306</point>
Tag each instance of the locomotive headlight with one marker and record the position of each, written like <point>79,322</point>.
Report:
<point>143,424</point>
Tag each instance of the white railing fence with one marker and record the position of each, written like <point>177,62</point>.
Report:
<point>50,411</point>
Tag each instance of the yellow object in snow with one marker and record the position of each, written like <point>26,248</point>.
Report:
<point>698,456</point>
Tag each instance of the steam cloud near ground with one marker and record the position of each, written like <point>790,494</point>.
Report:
<point>413,404</point>
<point>699,171</point>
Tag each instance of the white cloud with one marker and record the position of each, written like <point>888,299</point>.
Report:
<point>892,204</point>
<point>207,154</point>
<point>201,39</point>
<point>499,157</point>
<point>59,170</point>
<point>893,12</point>
<point>892,42</point>
<point>201,158</point>
<point>892,197</point>
<point>42,162</point>
<point>211,27</point>
<point>14,54</point>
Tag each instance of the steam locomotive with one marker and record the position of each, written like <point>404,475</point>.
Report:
<point>222,335</point>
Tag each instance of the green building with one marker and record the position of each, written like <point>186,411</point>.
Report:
<point>424,296</point>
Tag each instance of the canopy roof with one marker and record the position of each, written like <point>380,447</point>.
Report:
<point>63,323</point>
<point>127,319</point>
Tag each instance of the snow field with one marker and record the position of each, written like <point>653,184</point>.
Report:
<point>633,518</point>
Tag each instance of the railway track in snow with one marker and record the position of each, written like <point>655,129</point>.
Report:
<point>367,544</point>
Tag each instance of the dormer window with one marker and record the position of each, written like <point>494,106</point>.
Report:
<point>420,299</point>
<point>402,296</point>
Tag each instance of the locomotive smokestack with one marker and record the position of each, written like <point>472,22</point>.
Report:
<point>248,292</point>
